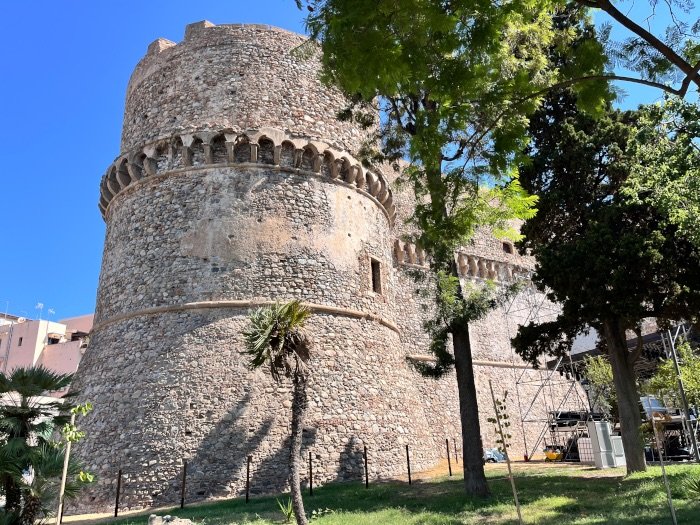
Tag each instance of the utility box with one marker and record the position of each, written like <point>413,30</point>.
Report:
<point>607,449</point>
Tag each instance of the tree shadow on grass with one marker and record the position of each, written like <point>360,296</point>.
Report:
<point>546,499</point>
<point>638,500</point>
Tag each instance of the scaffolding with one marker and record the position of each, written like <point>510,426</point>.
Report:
<point>689,426</point>
<point>556,390</point>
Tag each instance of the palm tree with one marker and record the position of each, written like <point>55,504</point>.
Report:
<point>28,419</point>
<point>275,338</point>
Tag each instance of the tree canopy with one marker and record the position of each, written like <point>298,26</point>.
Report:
<point>611,237</point>
<point>453,82</point>
<point>664,383</point>
<point>609,249</point>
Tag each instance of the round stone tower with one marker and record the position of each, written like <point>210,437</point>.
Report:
<point>236,187</point>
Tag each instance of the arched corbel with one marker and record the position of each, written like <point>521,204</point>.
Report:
<point>399,251</point>
<point>230,146</point>
<point>150,162</point>
<point>187,141</point>
<point>360,176</point>
<point>207,137</point>
<point>253,152</point>
<point>123,177</point>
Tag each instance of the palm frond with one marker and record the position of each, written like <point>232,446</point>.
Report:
<point>274,337</point>
<point>33,381</point>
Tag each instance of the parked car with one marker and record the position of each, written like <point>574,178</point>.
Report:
<point>493,455</point>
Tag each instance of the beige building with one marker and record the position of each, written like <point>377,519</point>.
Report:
<point>57,345</point>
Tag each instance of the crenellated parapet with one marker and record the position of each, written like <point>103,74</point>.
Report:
<point>470,266</point>
<point>474,267</point>
<point>409,254</point>
<point>255,148</point>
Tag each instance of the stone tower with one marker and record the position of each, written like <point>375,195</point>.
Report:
<point>237,187</point>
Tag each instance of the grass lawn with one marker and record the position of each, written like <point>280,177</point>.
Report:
<point>549,495</point>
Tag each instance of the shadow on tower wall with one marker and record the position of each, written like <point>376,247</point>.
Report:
<point>218,467</point>
<point>272,473</point>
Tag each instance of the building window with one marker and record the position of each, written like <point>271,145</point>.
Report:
<point>376,276</point>
<point>19,343</point>
<point>507,247</point>
<point>54,340</point>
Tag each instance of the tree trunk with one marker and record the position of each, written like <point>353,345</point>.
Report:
<point>473,464</point>
<point>295,463</point>
<point>13,495</point>
<point>31,510</point>
<point>628,407</point>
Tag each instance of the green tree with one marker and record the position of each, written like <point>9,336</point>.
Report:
<point>669,61</point>
<point>453,81</point>
<point>606,254</point>
<point>598,372</point>
<point>664,383</point>
<point>31,456</point>
<point>666,172</point>
<point>275,338</point>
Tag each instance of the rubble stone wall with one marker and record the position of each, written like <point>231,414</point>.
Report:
<point>237,187</point>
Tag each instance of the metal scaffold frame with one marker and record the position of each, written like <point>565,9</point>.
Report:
<point>555,389</point>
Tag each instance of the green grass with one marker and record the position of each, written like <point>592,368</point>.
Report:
<point>549,496</point>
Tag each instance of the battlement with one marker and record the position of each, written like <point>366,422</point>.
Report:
<point>265,147</point>
<point>470,266</point>
<point>238,76</point>
<point>207,29</point>
<point>197,31</point>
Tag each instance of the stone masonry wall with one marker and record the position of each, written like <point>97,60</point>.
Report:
<point>233,76</point>
<point>237,187</point>
<point>174,414</point>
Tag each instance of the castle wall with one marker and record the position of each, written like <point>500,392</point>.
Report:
<point>198,401</point>
<point>237,187</point>
<point>236,77</point>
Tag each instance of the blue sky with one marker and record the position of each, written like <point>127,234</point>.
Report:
<point>65,67</point>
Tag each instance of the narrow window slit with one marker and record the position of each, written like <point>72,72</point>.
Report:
<point>376,276</point>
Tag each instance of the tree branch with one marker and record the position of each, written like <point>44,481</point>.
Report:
<point>397,113</point>
<point>686,81</point>
<point>566,83</point>
<point>668,53</point>
<point>634,354</point>
<point>458,153</point>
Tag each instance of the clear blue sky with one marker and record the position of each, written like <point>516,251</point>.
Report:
<point>65,68</point>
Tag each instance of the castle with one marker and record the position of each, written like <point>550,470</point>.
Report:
<point>237,187</point>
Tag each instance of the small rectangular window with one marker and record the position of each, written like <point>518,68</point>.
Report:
<point>19,343</point>
<point>376,276</point>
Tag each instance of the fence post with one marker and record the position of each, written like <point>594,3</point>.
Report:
<point>449,462</point>
<point>184,482</point>
<point>119,487</point>
<point>311,476</point>
<point>247,479</point>
<point>408,464</point>
<point>456,456</point>
<point>366,470</point>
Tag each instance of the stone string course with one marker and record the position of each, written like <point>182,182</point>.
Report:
<point>236,186</point>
